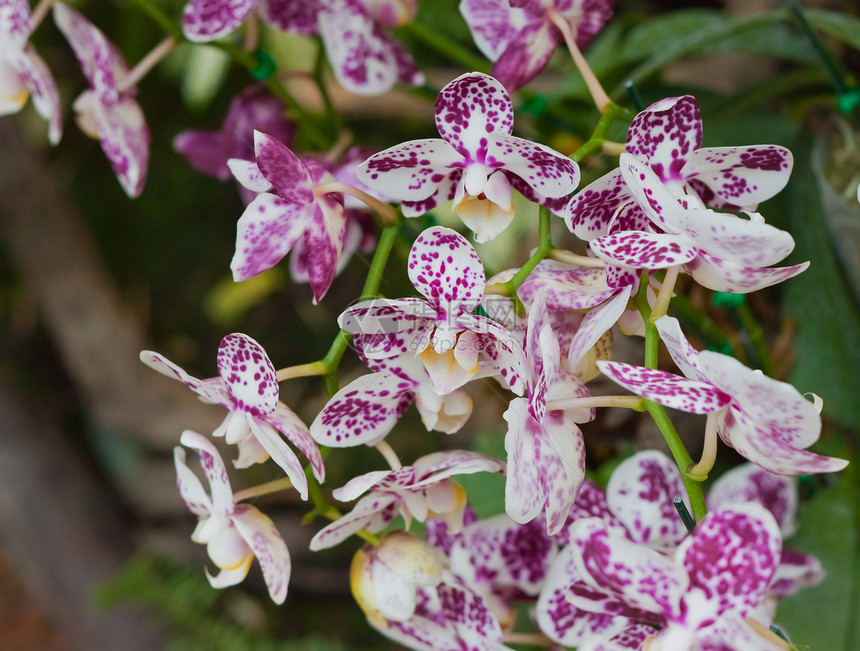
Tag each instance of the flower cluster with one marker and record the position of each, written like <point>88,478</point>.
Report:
<point>647,562</point>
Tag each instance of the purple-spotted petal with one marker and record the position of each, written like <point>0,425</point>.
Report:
<point>640,494</point>
<point>796,571</point>
<point>364,411</point>
<point>206,20</point>
<point>361,56</point>
<point>435,467</point>
<point>293,16</point>
<point>524,497</point>
<point>547,172</point>
<point>630,639</point>
<point>723,276</point>
<point>213,391</point>
<point>15,22</point>
<point>749,483</point>
<point>372,512</point>
<point>190,489</point>
<point>248,373</point>
<point>565,623</point>
<point>266,232</point>
<point>444,267</point>
<point>36,76</point>
<point>591,211</point>
<point>412,171</point>
<point>561,456</point>
<point>767,447</point>
<point>246,172</point>
<point>100,61</point>
<point>277,448</point>
<point>666,134</point>
<point>214,469</point>
<point>322,243</point>
<point>596,323</point>
<point>124,137</point>
<point>490,24</point>
<point>641,250</point>
<point>683,354</point>
<point>283,169</point>
<point>640,576</point>
<point>262,537</point>
<point>740,176</point>
<point>730,559</point>
<point>291,426</point>
<point>470,108</point>
<point>527,53</point>
<point>667,389</point>
<point>566,287</point>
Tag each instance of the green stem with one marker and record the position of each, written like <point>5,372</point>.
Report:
<point>613,113</point>
<point>162,19</point>
<point>543,250</point>
<point>446,47</point>
<point>332,116</point>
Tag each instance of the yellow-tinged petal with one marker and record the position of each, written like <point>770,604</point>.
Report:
<point>228,550</point>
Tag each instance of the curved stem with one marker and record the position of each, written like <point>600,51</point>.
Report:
<point>252,32</point>
<point>385,211</point>
<point>389,454</point>
<point>629,402</point>
<point>666,290</point>
<point>302,370</point>
<point>601,99</point>
<point>543,250</point>
<point>281,484</point>
<point>699,472</point>
<point>574,258</point>
<point>39,12</point>
<point>146,64</point>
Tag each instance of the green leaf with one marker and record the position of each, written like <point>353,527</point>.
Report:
<point>844,27</point>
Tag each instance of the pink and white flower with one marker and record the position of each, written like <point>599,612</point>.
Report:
<point>285,211</point>
<point>423,490</point>
<point>519,36</point>
<point>248,387</point>
<point>233,533</point>
<point>23,73</point>
<point>767,421</point>
<point>477,162</point>
<point>106,111</point>
<point>717,580</point>
<point>365,58</point>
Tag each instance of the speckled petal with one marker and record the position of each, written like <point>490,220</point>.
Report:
<point>731,559</point>
<point>124,137</point>
<point>470,108</point>
<point>363,412</point>
<point>527,53</point>
<point>749,483</point>
<point>596,323</point>
<point>213,391</point>
<point>524,497</point>
<point>190,489</point>
<point>724,276</point>
<point>567,287</point>
<point>362,60</point>
<point>640,493</point>
<point>262,537</point>
<point>591,210</point>
<point>412,171</point>
<point>740,176</point>
<point>367,511</point>
<point>206,20</point>
<point>683,354</point>
<point>547,172</point>
<point>266,232</point>
<point>281,453</point>
<point>641,250</point>
<point>630,639</point>
<point>444,267</point>
<point>248,373</point>
<point>36,76</point>
<point>283,169</point>
<point>591,503</point>
<point>500,351</point>
<point>561,457</point>
<point>490,23</point>
<point>322,243</point>
<point>15,23</point>
<point>665,135</point>
<point>670,390</point>
<point>246,172</point>
<point>435,467</point>
<point>565,623</point>
<point>641,577</point>
<point>796,571</point>
<point>768,447</point>
<point>293,16</point>
<point>214,469</point>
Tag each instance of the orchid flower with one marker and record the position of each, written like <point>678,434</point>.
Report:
<point>385,578</point>
<point>107,111</point>
<point>285,211</point>
<point>253,108</point>
<point>520,37</point>
<point>778,494</point>
<point>651,212</point>
<point>716,581</point>
<point>423,490</point>
<point>233,533</point>
<point>501,560</point>
<point>767,421</point>
<point>454,345</point>
<point>448,617</point>
<point>476,163</point>
<point>365,58</point>
<point>248,387</point>
<point>365,410</point>
<point>23,73</point>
